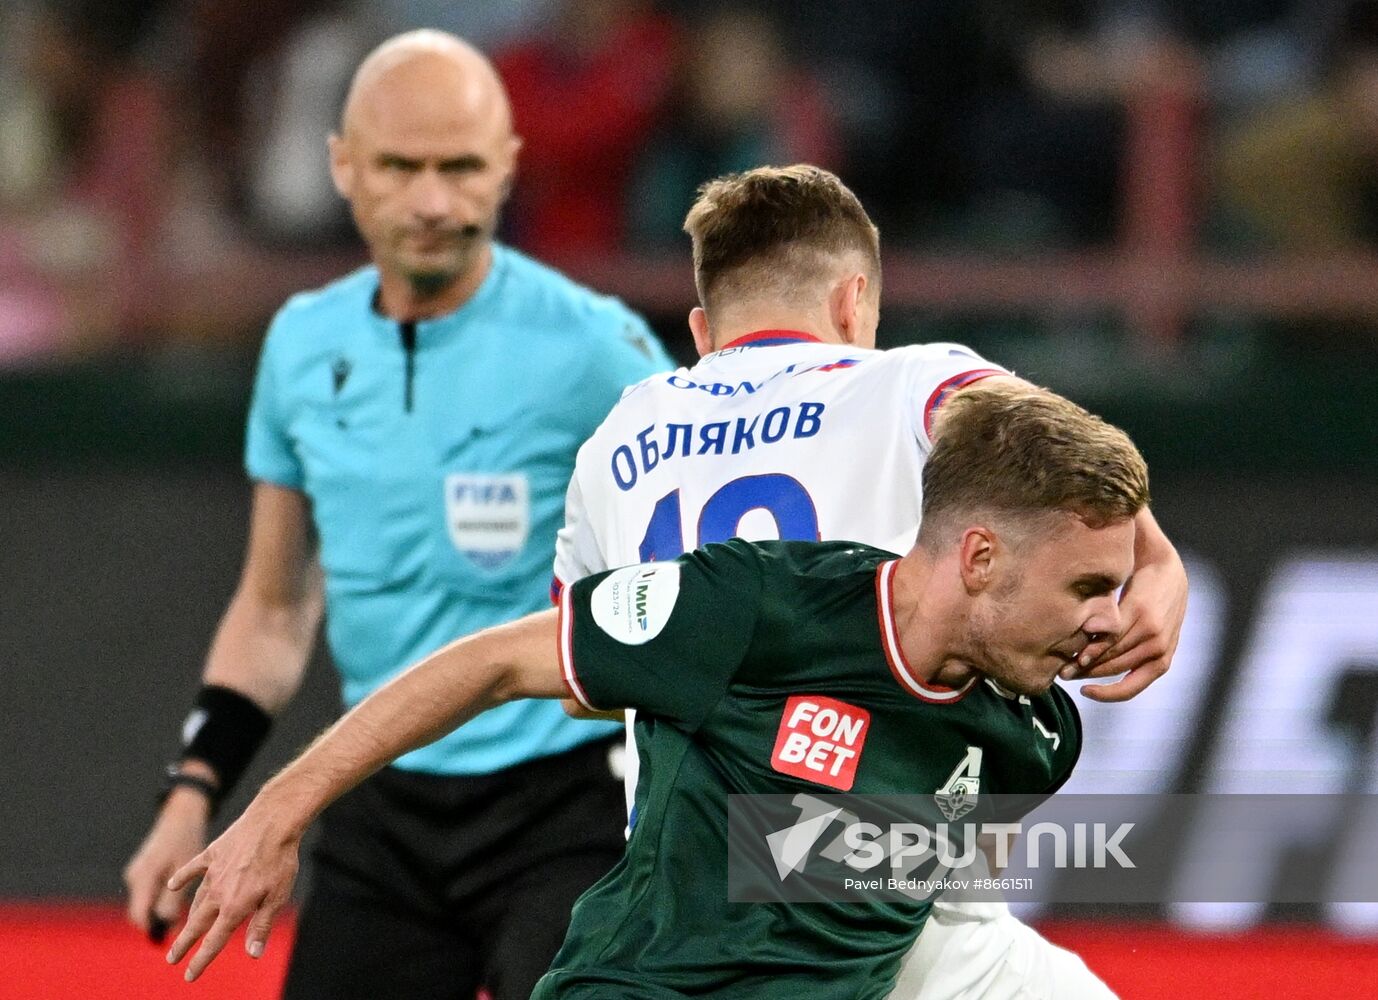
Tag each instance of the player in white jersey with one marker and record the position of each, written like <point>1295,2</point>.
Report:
<point>776,434</point>
<point>792,426</point>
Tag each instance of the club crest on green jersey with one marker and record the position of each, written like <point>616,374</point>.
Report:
<point>959,794</point>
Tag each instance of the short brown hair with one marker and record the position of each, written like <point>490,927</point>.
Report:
<point>772,231</point>
<point>1024,452</point>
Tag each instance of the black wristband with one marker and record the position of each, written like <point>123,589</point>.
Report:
<point>225,729</point>
<point>175,777</point>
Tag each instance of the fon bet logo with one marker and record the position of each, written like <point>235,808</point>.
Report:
<point>820,740</point>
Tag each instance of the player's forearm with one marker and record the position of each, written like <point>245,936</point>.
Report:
<point>577,711</point>
<point>439,693</point>
<point>263,643</point>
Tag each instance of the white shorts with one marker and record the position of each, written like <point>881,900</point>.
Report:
<point>983,952</point>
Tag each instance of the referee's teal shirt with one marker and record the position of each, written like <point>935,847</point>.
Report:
<point>436,460</point>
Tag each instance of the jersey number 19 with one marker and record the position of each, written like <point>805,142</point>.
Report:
<point>782,497</point>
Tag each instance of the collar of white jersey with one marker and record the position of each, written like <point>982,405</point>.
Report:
<point>769,338</point>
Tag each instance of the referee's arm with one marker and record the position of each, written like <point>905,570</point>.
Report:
<point>249,870</point>
<point>258,655</point>
<point>265,639</point>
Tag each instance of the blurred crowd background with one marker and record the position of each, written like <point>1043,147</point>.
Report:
<point>163,174</point>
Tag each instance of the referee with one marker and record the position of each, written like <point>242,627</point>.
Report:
<point>412,432</point>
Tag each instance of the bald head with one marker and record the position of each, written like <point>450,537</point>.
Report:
<point>429,66</point>
<point>425,157</point>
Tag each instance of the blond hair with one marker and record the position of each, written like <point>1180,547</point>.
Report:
<point>776,231</point>
<point>1022,453</point>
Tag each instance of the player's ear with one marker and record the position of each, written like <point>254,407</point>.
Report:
<point>976,559</point>
<point>845,304</point>
<point>511,149</point>
<point>341,166</point>
<point>698,326</point>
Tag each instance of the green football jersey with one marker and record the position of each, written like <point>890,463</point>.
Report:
<point>765,669</point>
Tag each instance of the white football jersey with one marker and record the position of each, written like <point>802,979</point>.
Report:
<point>775,436</point>
<point>780,436</point>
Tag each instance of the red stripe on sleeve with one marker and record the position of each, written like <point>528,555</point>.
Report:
<point>565,651</point>
<point>948,387</point>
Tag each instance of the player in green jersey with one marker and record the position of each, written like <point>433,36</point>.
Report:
<point>732,655</point>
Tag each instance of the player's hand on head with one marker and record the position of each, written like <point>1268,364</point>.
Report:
<point>177,835</point>
<point>246,874</point>
<point>1152,607</point>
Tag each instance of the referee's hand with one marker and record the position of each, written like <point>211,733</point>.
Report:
<point>175,838</point>
<point>246,872</point>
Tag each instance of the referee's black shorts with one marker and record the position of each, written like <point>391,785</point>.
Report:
<point>428,886</point>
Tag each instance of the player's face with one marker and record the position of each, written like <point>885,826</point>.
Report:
<point>425,176</point>
<point>1056,591</point>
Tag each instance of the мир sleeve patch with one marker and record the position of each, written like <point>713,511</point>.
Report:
<point>633,604</point>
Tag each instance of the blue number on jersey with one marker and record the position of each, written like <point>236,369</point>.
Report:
<point>782,497</point>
